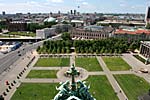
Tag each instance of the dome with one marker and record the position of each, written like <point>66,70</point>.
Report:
<point>50,19</point>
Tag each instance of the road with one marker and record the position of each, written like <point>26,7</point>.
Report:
<point>8,60</point>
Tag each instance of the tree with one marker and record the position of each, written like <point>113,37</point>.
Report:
<point>34,26</point>
<point>58,50</point>
<point>102,50</point>
<point>97,51</point>
<point>63,50</point>
<point>82,50</point>
<point>106,51</point>
<point>77,50</point>
<point>148,26</point>
<point>66,36</point>
<point>132,46</point>
<point>38,48</point>
<point>49,24</point>
<point>115,51</point>
<point>91,50</point>
<point>119,51</point>
<point>68,50</point>
<point>0,29</point>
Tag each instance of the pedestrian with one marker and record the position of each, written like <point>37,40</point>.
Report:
<point>120,91</point>
<point>7,83</point>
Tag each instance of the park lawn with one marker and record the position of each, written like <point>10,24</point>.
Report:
<point>42,74</point>
<point>100,88</point>
<point>90,64</point>
<point>116,63</point>
<point>35,91</point>
<point>31,34</point>
<point>132,85</point>
<point>52,62</point>
<point>4,36</point>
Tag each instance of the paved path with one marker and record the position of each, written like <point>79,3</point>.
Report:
<point>72,59</point>
<point>96,73</point>
<point>47,68</point>
<point>37,80</point>
<point>136,66</point>
<point>121,95</point>
<point>135,63</point>
<point>122,72</point>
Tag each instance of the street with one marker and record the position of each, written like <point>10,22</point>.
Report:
<point>8,60</point>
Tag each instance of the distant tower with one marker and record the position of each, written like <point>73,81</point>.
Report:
<point>71,12</point>
<point>75,12</point>
<point>50,14</point>
<point>59,12</point>
<point>29,14</point>
<point>147,15</point>
<point>3,13</point>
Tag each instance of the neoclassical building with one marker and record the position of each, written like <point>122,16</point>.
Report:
<point>145,49</point>
<point>85,34</point>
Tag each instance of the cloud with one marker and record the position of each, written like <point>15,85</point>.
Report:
<point>34,7</point>
<point>122,3</point>
<point>85,3</point>
<point>138,7</point>
<point>56,1</point>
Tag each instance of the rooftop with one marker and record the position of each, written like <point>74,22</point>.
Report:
<point>137,31</point>
<point>50,19</point>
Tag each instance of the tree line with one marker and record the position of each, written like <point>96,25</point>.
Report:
<point>111,45</point>
<point>34,26</point>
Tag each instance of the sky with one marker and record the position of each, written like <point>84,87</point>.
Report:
<point>83,6</point>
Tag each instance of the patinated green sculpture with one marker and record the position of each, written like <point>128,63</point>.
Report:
<point>74,90</point>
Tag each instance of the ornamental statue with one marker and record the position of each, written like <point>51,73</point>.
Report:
<point>73,90</point>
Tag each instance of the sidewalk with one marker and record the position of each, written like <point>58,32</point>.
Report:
<point>137,65</point>
<point>19,67</point>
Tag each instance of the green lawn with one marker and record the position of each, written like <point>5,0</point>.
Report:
<point>4,36</point>
<point>35,91</point>
<point>132,85</point>
<point>90,64</point>
<point>22,33</point>
<point>42,74</point>
<point>100,88</point>
<point>52,62</point>
<point>116,63</point>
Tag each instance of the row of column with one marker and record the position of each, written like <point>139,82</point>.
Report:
<point>145,50</point>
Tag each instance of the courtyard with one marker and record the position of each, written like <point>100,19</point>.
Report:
<point>108,77</point>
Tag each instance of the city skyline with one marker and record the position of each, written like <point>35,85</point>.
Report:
<point>83,6</point>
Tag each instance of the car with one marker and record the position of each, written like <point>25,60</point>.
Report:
<point>143,70</point>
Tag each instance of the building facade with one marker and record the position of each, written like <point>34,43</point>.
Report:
<point>138,34</point>
<point>17,26</point>
<point>60,28</point>
<point>145,50</point>
<point>45,33</point>
<point>90,34</point>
